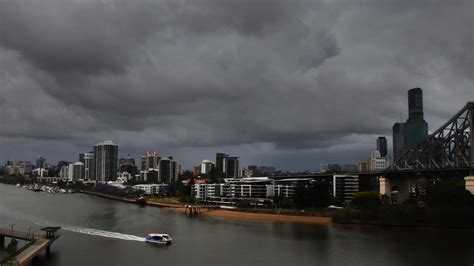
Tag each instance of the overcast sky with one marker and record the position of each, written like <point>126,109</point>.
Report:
<point>286,83</point>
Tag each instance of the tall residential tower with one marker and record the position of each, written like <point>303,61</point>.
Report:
<point>105,155</point>
<point>382,146</point>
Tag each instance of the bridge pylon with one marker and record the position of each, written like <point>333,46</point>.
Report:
<point>400,185</point>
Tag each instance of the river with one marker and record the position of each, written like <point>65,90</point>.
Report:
<point>97,231</point>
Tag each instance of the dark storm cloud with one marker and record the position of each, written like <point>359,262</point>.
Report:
<point>88,37</point>
<point>284,76</point>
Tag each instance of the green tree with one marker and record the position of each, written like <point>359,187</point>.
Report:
<point>366,200</point>
<point>448,194</point>
<point>12,247</point>
<point>282,202</point>
<point>314,195</point>
<point>182,189</point>
<point>186,175</point>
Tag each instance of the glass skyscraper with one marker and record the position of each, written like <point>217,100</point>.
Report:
<point>415,130</point>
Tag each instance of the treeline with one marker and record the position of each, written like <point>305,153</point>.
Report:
<point>445,204</point>
<point>307,196</point>
<point>13,180</point>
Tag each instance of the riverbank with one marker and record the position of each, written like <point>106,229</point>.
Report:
<point>229,214</point>
<point>261,217</point>
<point>128,200</point>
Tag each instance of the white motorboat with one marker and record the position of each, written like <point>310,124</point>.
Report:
<point>159,239</point>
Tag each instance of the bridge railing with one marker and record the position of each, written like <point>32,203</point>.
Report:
<point>17,234</point>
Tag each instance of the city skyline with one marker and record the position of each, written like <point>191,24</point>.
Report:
<point>291,85</point>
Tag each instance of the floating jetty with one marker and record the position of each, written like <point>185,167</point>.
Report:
<point>35,244</point>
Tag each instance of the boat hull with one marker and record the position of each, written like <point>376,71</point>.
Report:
<point>158,242</point>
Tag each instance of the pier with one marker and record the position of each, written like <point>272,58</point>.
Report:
<point>34,246</point>
<point>195,210</point>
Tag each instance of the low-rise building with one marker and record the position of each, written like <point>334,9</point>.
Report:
<point>362,166</point>
<point>40,172</point>
<point>153,189</point>
<point>123,177</point>
<point>343,187</point>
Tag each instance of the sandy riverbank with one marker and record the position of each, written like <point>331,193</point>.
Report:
<point>228,214</point>
<point>259,217</point>
<point>248,216</point>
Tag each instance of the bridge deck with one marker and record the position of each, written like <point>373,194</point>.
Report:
<point>38,246</point>
<point>35,246</point>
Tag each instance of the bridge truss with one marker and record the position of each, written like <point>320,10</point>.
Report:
<point>449,147</point>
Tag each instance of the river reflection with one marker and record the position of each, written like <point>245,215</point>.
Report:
<point>98,231</point>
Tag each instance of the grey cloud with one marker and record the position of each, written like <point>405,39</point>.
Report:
<point>302,76</point>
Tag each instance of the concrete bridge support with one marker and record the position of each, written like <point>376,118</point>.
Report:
<point>2,242</point>
<point>401,185</point>
<point>469,181</point>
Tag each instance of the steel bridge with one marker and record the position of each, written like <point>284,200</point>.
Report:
<point>447,152</point>
<point>449,147</point>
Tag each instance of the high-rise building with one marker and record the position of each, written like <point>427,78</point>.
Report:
<point>206,167</point>
<point>76,171</point>
<point>150,168</point>
<point>128,160</point>
<point>61,164</point>
<point>196,170</point>
<point>169,170</point>
<point>127,164</point>
<point>40,162</point>
<point>221,164</point>
<point>382,146</point>
<point>233,169</point>
<point>105,154</point>
<point>150,160</point>
<point>415,130</point>
<point>87,158</point>
<point>64,171</point>
<point>398,140</point>
<point>176,168</point>
<point>378,163</point>
<point>166,170</point>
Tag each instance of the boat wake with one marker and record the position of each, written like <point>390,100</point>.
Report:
<point>102,233</point>
<point>95,232</point>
